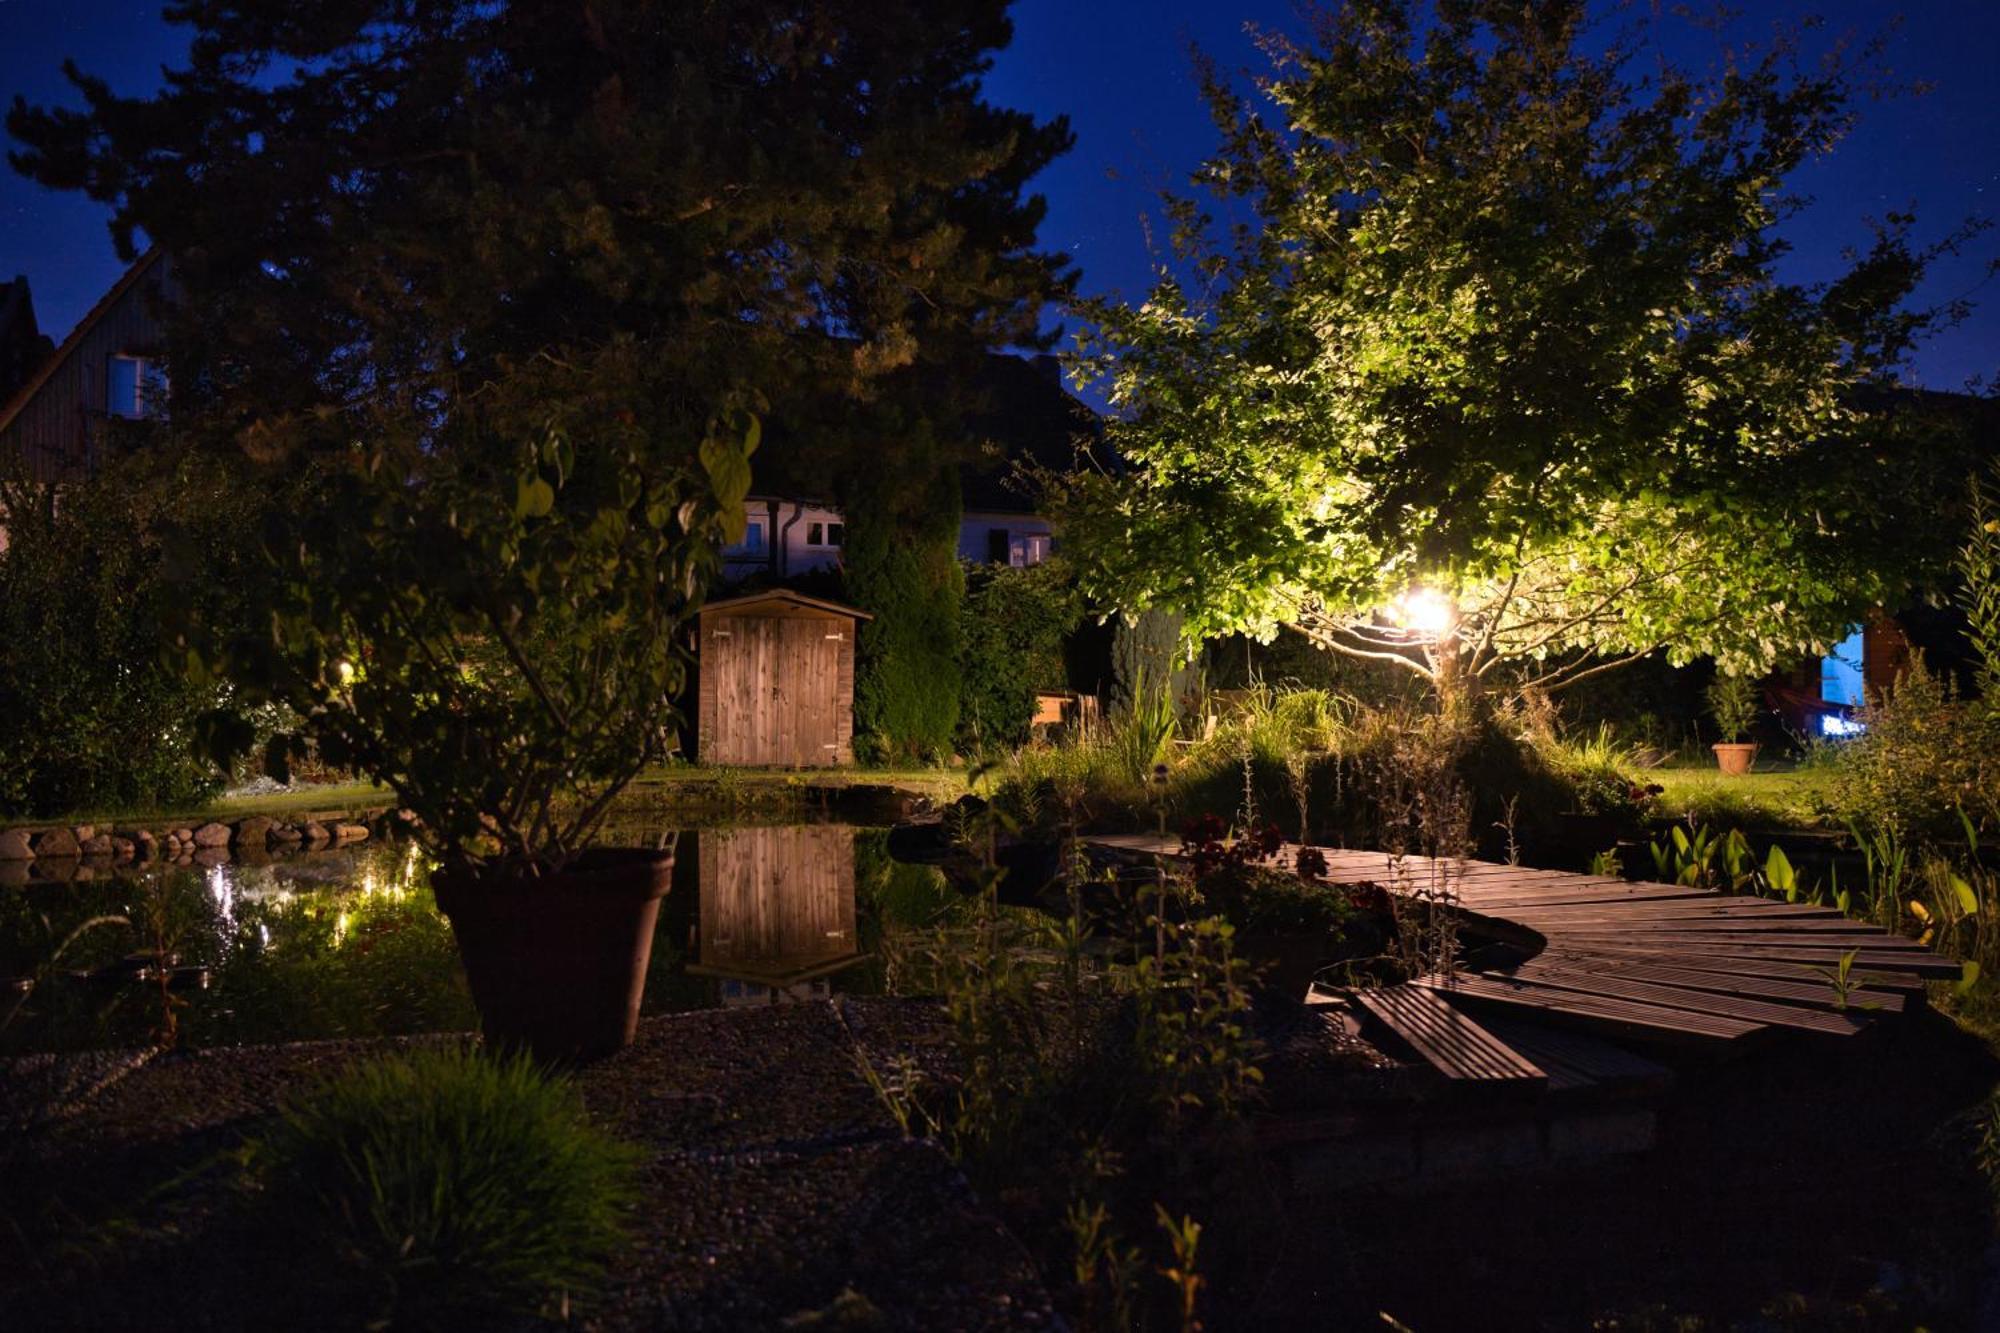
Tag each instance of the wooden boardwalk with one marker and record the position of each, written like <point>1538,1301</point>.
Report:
<point>1600,965</point>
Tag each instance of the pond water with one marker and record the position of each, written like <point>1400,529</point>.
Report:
<point>349,943</point>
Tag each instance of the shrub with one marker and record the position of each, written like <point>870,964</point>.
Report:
<point>1148,655</point>
<point>95,717</point>
<point>1927,753</point>
<point>448,1181</point>
<point>1011,648</point>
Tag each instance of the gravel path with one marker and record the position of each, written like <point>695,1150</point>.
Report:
<point>778,1193</point>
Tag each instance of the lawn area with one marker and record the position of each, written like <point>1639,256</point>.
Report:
<point>946,783</point>
<point>322,798</point>
<point>1776,796</point>
<point>666,785</point>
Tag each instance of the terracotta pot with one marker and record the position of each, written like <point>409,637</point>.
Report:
<point>1735,756</point>
<point>557,965</point>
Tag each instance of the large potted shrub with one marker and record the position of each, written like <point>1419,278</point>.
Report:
<point>493,629</point>
<point>1732,702</point>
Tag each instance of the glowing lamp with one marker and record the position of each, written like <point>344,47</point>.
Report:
<point>1424,611</point>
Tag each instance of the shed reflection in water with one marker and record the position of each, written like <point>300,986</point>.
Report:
<point>777,915</point>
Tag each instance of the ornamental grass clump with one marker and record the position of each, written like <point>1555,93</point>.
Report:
<point>446,1182</point>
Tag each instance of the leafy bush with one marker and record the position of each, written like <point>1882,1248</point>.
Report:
<point>1927,753</point>
<point>1147,654</point>
<point>96,718</point>
<point>449,1182</point>
<point>1012,648</point>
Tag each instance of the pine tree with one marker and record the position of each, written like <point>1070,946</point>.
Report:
<point>422,221</point>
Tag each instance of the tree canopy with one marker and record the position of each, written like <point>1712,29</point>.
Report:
<point>478,293</point>
<point>390,215</point>
<point>1472,351</point>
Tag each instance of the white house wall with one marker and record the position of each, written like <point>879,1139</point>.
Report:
<point>779,538</point>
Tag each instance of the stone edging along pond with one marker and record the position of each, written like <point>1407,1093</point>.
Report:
<point>65,852</point>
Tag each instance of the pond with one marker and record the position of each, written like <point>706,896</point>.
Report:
<point>349,943</point>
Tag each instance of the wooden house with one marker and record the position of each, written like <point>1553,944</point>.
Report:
<point>777,681</point>
<point>109,370</point>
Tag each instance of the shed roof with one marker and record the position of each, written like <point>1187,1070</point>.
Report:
<point>780,598</point>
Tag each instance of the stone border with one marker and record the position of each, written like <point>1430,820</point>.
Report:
<point>62,853</point>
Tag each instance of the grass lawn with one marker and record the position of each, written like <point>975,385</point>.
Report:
<point>710,783</point>
<point>325,798</point>
<point>1774,796</point>
<point>667,784</point>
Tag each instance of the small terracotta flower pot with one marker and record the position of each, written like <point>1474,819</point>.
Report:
<point>1735,757</point>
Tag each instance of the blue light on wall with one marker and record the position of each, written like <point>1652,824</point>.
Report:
<point>1841,682</point>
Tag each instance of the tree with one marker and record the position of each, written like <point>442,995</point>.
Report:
<point>506,277</point>
<point>1490,372</point>
<point>901,559</point>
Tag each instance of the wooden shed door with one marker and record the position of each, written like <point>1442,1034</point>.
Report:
<point>778,702</point>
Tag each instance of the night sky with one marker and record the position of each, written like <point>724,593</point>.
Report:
<point>1119,69</point>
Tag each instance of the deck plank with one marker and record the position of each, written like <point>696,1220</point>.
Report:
<point>1450,1040</point>
<point>1615,986</point>
<point>1796,992</point>
<point>1733,964</point>
<point>1639,1020</point>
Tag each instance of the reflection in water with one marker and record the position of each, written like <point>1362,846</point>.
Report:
<point>777,911</point>
<point>334,944</point>
<point>349,942</point>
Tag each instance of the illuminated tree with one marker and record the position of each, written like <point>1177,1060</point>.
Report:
<point>1476,358</point>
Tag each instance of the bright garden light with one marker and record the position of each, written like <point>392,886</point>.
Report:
<point>1424,611</point>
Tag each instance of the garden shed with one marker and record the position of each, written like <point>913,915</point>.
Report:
<point>777,681</point>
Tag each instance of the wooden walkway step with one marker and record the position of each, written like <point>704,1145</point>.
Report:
<point>1451,1041</point>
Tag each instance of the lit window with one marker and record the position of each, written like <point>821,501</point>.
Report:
<point>1027,548</point>
<point>135,387</point>
<point>753,539</point>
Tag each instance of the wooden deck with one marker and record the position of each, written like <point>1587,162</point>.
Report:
<point>1615,965</point>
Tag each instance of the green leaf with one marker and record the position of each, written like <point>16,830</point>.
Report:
<point>1969,976</point>
<point>534,498</point>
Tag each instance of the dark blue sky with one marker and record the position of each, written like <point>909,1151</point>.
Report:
<point>1119,68</point>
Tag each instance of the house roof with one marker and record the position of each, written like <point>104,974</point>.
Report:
<point>1014,411</point>
<point>104,306</point>
<point>1028,420</point>
<point>786,597</point>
